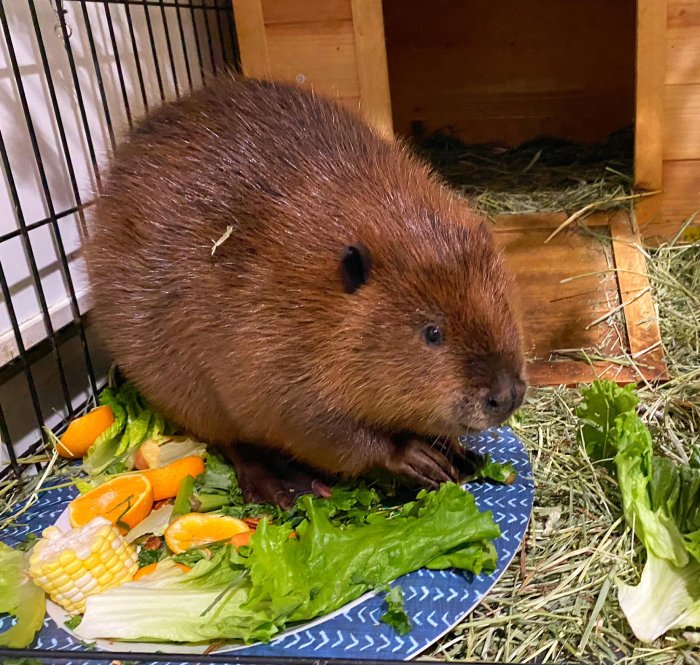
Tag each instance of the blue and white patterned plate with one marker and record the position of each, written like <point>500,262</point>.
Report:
<point>435,600</point>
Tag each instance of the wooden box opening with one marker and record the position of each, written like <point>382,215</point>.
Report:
<point>511,72</point>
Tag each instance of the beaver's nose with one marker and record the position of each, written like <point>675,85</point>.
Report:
<point>505,395</point>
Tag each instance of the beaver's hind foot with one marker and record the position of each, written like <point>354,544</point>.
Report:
<point>267,477</point>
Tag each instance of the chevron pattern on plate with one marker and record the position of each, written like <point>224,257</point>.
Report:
<point>435,600</point>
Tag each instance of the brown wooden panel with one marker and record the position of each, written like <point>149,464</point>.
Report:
<point>651,72</point>
<point>252,43</point>
<point>510,71</point>
<point>372,72</point>
<point>319,55</point>
<point>683,42</point>
<point>681,136</point>
<point>293,11</point>
<point>565,290</point>
<point>660,220</point>
<point>557,315</point>
<point>641,321</point>
<point>571,373</point>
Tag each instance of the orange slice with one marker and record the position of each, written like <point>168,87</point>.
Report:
<point>198,529</point>
<point>166,480</point>
<point>83,432</point>
<point>151,568</point>
<point>124,500</point>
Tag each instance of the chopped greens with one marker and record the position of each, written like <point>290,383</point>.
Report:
<point>73,622</point>
<point>498,472</point>
<point>396,615</point>
<point>28,542</point>
<point>152,550</point>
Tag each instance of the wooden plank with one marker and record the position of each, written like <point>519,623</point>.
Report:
<point>679,201</point>
<point>682,121</point>
<point>651,73</point>
<point>335,48</point>
<point>293,11</point>
<point>319,55</point>
<point>543,220</point>
<point>252,41</point>
<point>567,285</point>
<point>641,321</point>
<point>510,73</point>
<point>557,315</point>
<point>372,70</point>
<point>683,42</point>
<point>572,373</point>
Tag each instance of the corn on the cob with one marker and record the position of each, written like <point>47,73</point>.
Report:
<point>70,566</point>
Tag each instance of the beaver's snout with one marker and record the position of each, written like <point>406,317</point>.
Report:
<point>495,390</point>
<point>504,396</point>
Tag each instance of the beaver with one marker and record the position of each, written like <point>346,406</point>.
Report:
<point>273,275</point>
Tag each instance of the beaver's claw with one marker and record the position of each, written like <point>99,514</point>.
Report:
<point>430,461</point>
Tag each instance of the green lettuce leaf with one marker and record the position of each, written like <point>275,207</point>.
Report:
<point>19,597</point>
<point>656,528</point>
<point>602,403</point>
<point>342,563</point>
<point>692,544</point>
<point>661,500</point>
<point>666,597</point>
<point>134,422</point>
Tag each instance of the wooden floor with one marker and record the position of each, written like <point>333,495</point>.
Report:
<point>584,297</point>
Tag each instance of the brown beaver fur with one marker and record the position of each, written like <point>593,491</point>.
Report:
<point>358,308</point>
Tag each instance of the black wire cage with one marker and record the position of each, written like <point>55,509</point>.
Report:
<point>76,74</point>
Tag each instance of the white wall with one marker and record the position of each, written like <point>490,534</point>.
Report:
<point>82,19</point>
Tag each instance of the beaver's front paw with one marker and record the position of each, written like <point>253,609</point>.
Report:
<point>422,461</point>
<point>467,461</point>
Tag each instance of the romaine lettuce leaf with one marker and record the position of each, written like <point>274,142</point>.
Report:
<point>656,528</point>
<point>667,597</point>
<point>134,423</point>
<point>661,501</point>
<point>19,597</point>
<point>602,403</point>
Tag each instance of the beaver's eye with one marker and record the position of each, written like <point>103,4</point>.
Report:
<point>432,335</point>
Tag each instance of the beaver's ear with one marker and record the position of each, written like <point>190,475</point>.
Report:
<point>355,266</point>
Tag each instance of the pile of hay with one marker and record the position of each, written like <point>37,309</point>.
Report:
<point>542,175</point>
